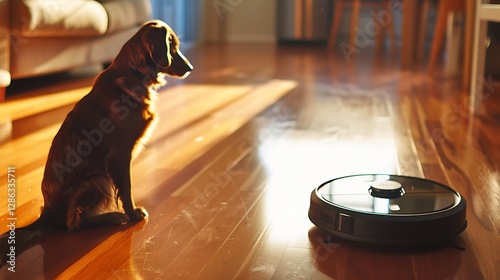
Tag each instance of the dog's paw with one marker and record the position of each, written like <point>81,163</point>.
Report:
<point>138,214</point>
<point>122,219</point>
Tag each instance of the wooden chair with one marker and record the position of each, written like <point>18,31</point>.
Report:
<point>356,5</point>
<point>445,7</point>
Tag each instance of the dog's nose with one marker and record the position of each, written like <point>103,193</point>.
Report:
<point>189,65</point>
<point>185,74</point>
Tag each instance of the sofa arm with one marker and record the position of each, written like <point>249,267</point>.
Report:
<point>4,44</point>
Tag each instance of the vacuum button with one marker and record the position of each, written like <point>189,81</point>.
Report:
<point>386,189</point>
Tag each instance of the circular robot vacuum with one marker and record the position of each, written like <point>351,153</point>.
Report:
<point>388,209</point>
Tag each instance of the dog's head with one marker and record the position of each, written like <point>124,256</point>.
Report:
<point>155,49</point>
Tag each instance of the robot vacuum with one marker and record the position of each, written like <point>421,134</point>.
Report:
<point>388,209</point>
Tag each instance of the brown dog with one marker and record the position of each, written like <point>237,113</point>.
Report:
<point>88,168</point>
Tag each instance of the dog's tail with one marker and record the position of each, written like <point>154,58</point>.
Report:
<point>17,240</point>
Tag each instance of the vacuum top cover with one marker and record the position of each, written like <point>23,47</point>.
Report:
<point>381,208</point>
<point>384,194</point>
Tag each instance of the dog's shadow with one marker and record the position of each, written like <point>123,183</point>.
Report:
<point>59,252</point>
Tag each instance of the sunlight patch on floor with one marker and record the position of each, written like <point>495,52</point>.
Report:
<point>302,160</point>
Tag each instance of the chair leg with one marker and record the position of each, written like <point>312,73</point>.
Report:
<point>424,14</point>
<point>477,79</point>
<point>2,94</point>
<point>354,22</point>
<point>379,37</point>
<point>334,29</point>
<point>468,42</point>
<point>385,24</point>
<point>445,6</point>
<point>391,28</point>
<point>439,33</point>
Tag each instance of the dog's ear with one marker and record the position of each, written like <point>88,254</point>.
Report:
<point>149,43</point>
<point>158,47</point>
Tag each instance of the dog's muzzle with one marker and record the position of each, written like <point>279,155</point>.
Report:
<point>188,67</point>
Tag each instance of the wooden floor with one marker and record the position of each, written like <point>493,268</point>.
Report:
<point>241,144</point>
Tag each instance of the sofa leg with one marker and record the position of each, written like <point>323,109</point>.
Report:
<point>2,94</point>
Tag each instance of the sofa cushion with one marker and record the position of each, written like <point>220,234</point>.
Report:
<point>58,18</point>
<point>47,55</point>
<point>126,13</point>
<point>63,18</point>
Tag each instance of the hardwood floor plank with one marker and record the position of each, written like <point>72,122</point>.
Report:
<point>120,249</point>
<point>193,103</point>
<point>17,109</point>
<point>264,258</point>
<point>24,195</point>
<point>207,243</point>
<point>296,264</point>
<point>234,251</point>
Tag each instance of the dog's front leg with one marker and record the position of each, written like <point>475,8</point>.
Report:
<point>119,171</point>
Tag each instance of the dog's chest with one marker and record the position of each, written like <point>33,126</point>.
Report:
<point>149,123</point>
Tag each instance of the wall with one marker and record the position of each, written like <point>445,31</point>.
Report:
<point>256,21</point>
<point>252,20</point>
<point>239,21</point>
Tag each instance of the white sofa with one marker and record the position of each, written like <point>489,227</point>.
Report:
<point>44,36</point>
